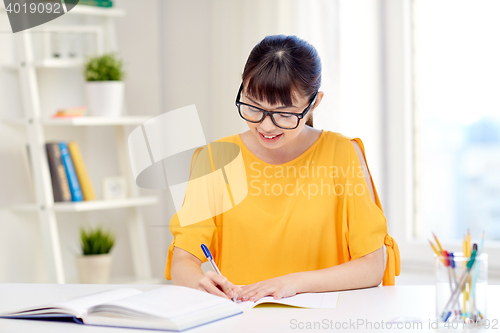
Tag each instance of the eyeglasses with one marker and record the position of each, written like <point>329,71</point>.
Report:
<point>284,120</point>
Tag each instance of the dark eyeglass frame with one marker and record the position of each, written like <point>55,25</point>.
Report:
<point>266,113</point>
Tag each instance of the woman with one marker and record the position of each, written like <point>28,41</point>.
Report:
<point>312,220</point>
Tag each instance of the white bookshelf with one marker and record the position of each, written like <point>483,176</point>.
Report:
<point>86,206</point>
<point>49,63</point>
<point>97,11</point>
<point>47,210</point>
<point>85,121</point>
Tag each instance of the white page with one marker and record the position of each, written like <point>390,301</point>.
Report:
<point>79,305</point>
<point>306,300</point>
<point>167,302</point>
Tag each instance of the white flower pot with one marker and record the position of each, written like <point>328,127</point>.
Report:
<point>105,98</point>
<point>94,268</point>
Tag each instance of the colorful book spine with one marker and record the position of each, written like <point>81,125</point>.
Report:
<point>60,185</point>
<point>74,184</point>
<point>81,171</point>
<point>96,3</point>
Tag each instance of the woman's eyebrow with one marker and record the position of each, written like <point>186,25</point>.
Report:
<point>279,107</point>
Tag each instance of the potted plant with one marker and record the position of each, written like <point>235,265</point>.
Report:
<point>94,266</point>
<point>105,87</point>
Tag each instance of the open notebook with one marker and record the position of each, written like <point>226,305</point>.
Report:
<point>172,308</point>
<point>312,301</point>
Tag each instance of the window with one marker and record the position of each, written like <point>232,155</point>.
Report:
<point>456,80</point>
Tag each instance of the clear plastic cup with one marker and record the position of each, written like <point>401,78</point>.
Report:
<point>470,304</point>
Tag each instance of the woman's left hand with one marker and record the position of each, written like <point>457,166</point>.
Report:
<point>279,287</point>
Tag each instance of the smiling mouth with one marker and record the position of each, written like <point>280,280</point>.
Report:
<point>270,137</point>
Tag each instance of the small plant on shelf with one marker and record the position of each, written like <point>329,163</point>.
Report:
<point>96,241</point>
<point>94,266</point>
<point>105,87</point>
<point>107,67</point>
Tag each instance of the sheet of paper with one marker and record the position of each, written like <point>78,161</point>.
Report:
<point>169,302</point>
<point>80,304</point>
<point>306,300</point>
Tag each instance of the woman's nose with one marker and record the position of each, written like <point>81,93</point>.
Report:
<point>267,124</point>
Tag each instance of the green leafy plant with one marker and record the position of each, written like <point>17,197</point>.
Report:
<point>107,67</point>
<point>96,241</point>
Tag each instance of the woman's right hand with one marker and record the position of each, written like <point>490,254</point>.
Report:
<point>219,285</point>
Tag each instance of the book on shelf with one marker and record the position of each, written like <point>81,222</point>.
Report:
<point>68,173</point>
<point>96,3</point>
<point>60,185</point>
<point>81,172</point>
<point>71,112</point>
<point>74,183</point>
<point>172,308</point>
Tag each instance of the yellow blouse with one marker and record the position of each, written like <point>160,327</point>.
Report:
<point>307,214</point>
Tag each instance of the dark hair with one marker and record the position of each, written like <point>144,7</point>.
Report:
<point>280,65</point>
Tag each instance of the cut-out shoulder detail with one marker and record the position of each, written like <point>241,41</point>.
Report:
<point>362,162</point>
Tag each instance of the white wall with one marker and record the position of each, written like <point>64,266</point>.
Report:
<point>193,52</point>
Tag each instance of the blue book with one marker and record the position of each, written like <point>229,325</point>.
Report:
<point>74,183</point>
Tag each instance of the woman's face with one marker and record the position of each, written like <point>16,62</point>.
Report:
<point>266,132</point>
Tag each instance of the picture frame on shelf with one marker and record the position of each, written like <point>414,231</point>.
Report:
<point>114,188</point>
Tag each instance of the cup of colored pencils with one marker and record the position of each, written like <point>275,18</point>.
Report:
<point>461,282</point>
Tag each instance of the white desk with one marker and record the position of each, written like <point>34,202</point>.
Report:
<point>373,305</point>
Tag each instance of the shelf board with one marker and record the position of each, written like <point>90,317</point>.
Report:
<point>97,121</point>
<point>99,11</point>
<point>60,63</point>
<point>86,121</point>
<point>84,206</point>
<point>50,63</point>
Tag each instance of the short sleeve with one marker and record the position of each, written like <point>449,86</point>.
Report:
<point>366,223</point>
<point>190,238</point>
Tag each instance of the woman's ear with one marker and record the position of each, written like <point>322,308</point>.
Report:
<point>319,97</point>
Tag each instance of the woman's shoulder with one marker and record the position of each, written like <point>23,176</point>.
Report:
<point>337,140</point>
<point>231,138</point>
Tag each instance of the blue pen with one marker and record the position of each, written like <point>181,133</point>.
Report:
<point>211,260</point>
<point>463,279</point>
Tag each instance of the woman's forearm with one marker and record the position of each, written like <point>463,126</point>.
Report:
<point>185,271</point>
<point>363,272</point>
